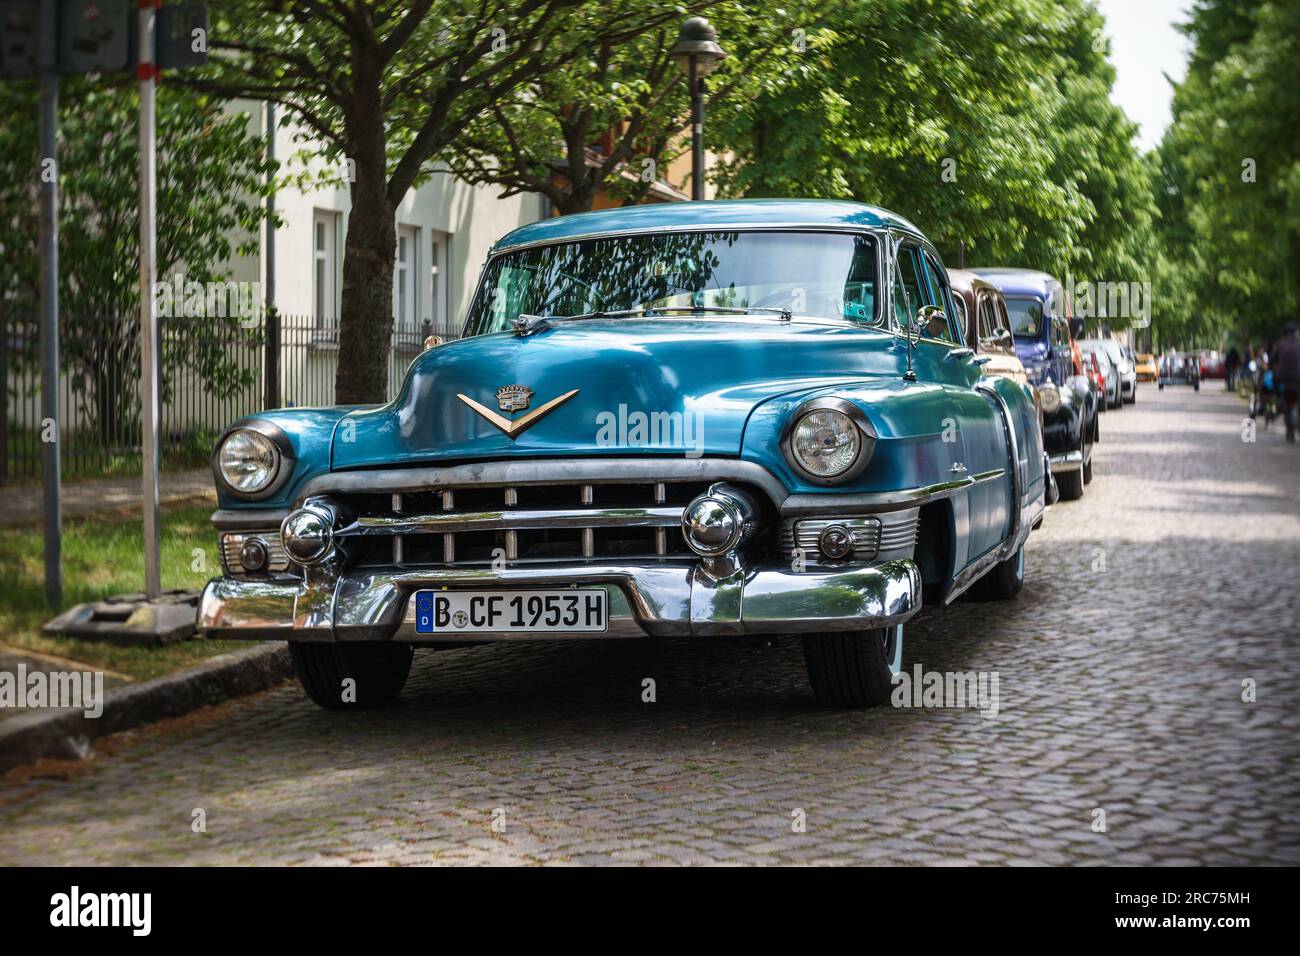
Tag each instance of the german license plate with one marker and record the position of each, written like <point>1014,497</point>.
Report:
<point>470,612</point>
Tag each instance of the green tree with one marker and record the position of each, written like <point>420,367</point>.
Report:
<point>1229,179</point>
<point>390,85</point>
<point>987,122</point>
<point>211,176</point>
<point>612,120</point>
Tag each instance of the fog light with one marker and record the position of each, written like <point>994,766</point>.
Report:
<point>835,542</point>
<point>254,555</point>
<point>720,520</point>
<point>308,533</point>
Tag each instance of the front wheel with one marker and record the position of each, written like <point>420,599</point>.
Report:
<point>855,669</point>
<point>351,675</point>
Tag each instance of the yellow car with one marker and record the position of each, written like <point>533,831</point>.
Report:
<point>1147,368</point>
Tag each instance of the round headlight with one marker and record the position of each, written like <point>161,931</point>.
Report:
<point>826,442</point>
<point>248,461</point>
<point>1049,397</point>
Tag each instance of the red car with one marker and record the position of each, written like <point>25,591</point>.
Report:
<point>1212,365</point>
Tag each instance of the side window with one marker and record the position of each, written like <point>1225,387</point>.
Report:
<point>988,322</point>
<point>940,295</point>
<point>1003,319</point>
<point>965,321</point>
<point>908,296</point>
<point>1060,334</point>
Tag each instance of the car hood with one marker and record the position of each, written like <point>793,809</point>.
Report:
<point>643,386</point>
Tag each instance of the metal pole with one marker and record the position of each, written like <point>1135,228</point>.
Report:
<point>150,391</point>
<point>697,132</point>
<point>51,425</point>
<point>272,390</point>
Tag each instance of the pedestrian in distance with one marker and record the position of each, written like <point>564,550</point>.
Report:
<point>1286,376</point>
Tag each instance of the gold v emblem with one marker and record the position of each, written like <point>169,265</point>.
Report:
<point>513,428</point>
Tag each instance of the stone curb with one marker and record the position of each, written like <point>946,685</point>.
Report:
<point>68,735</point>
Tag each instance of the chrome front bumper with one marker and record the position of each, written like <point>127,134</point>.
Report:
<point>1070,461</point>
<point>668,599</point>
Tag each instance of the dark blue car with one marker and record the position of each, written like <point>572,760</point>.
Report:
<point>1044,329</point>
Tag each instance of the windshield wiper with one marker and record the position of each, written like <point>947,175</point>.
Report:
<point>526,324</point>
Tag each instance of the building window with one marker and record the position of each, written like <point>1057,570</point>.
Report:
<point>324,300</point>
<point>406,306</point>
<point>438,276</point>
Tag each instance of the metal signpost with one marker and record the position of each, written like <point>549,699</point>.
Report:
<point>150,387</point>
<point>51,422</point>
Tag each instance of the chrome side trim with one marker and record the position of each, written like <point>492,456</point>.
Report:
<point>1013,540</point>
<point>812,504</point>
<point>972,573</point>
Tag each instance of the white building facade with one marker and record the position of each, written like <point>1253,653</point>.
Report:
<point>445,228</point>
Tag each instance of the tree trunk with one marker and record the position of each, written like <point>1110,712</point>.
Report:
<point>575,201</point>
<point>366,315</point>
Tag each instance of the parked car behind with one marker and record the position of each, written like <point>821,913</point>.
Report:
<point>838,458</point>
<point>1044,334</point>
<point>1126,371</point>
<point>987,329</point>
<point>1110,371</point>
<point>1212,364</point>
<point>1180,368</point>
<point>1104,373</point>
<point>1147,369</point>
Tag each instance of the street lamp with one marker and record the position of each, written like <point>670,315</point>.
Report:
<point>698,54</point>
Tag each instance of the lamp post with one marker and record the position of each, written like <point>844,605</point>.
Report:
<point>698,54</point>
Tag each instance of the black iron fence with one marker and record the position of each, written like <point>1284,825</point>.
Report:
<point>213,371</point>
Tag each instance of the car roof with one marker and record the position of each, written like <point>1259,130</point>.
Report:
<point>722,214</point>
<point>1018,281</point>
<point>965,283</point>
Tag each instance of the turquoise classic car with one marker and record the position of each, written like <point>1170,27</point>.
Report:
<point>705,420</point>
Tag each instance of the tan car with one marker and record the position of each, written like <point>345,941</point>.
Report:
<point>1147,368</point>
<point>985,325</point>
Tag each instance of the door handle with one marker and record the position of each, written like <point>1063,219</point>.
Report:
<point>958,353</point>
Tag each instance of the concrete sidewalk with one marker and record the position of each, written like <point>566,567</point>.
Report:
<point>20,505</point>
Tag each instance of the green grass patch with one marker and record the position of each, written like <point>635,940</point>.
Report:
<point>103,557</point>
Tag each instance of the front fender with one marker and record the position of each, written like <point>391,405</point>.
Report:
<point>910,420</point>
<point>310,432</point>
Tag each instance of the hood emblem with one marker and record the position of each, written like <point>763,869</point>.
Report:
<point>513,398</point>
<point>518,425</point>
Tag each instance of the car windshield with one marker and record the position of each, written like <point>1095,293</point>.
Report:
<point>1026,317</point>
<point>828,275</point>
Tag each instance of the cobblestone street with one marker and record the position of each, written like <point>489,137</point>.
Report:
<point>1121,668</point>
